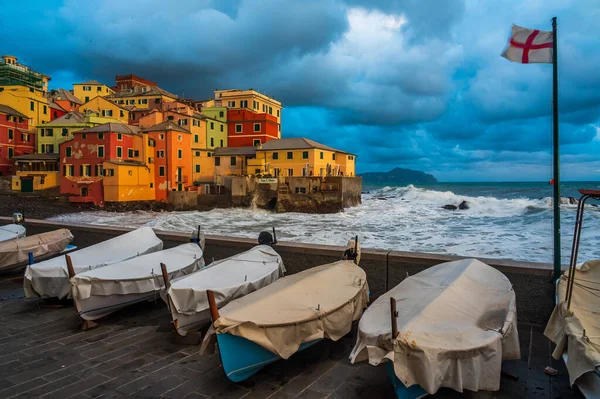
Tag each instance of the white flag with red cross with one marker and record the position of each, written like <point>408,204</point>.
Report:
<point>529,46</point>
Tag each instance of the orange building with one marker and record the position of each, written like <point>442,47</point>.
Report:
<point>173,157</point>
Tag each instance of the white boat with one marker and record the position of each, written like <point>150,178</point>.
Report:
<point>286,316</point>
<point>14,253</point>
<point>575,329</point>
<point>228,278</point>
<point>456,322</point>
<point>101,291</point>
<point>11,232</point>
<point>50,278</point>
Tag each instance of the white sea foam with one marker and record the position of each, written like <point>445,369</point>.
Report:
<point>395,218</point>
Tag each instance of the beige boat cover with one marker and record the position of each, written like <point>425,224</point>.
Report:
<point>16,252</point>
<point>234,277</point>
<point>320,302</point>
<point>456,322</point>
<point>51,279</point>
<point>566,327</point>
<point>138,275</point>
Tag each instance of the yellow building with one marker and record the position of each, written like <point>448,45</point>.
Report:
<point>59,130</point>
<point>203,165</point>
<point>233,161</point>
<point>105,108</point>
<point>142,97</point>
<point>128,180</point>
<point>36,172</point>
<point>249,99</point>
<point>24,90</point>
<point>216,127</point>
<point>88,90</point>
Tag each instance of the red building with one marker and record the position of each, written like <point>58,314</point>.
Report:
<point>246,128</point>
<point>126,82</point>
<point>82,157</point>
<point>15,138</point>
<point>56,111</point>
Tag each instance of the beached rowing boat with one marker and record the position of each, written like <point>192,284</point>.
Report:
<point>228,278</point>
<point>286,316</point>
<point>448,326</point>
<point>102,291</point>
<point>11,232</point>
<point>15,253</point>
<point>50,278</point>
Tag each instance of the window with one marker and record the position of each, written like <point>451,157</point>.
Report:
<point>257,127</point>
<point>212,141</point>
<point>160,153</point>
<point>109,172</point>
<point>221,127</point>
<point>145,101</point>
<point>31,106</point>
<point>130,172</point>
<point>161,136</point>
<point>278,113</point>
<point>49,132</point>
<point>130,153</point>
<point>290,155</point>
<point>24,138</point>
<point>197,153</point>
<point>233,161</point>
<point>180,153</point>
<point>321,155</point>
<point>350,157</point>
<point>107,112</point>
<point>197,168</point>
<point>11,134</point>
<point>270,110</point>
<point>86,99</point>
<point>183,122</point>
<point>196,138</point>
<point>170,117</point>
<point>45,110</point>
<point>55,114</point>
<point>161,170</point>
<point>49,148</point>
<point>304,154</point>
<point>100,151</point>
<point>99,170</point>
<point>238,128</point>
<point>256,142</point>
<point>221,114</point>
<point>209,154</point>
<point>119,136</point>
<point>290,172</point>
<point>275,155</point>
<point>212,126</point>
<point>100,136</point>
<point>121,113</point>
<point>255,104</point>
<point>65,132</point>
<point>151,185</point>
<point>98,88</point>
<point>68,151</point>
<point>333,156</point>
<point>244,104</point>
<point>11,153</point>
<point>43,147</point>
<point>179,137</point>
<point>231,104</point>
<point>217,161</point>
<point>221,143</point>
<point>119,152</point>
<point>84,136</point>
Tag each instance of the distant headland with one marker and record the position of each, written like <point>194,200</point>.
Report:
<point>397,176</point>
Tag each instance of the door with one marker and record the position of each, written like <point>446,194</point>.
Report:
<point>84,191</point>
<point>27,185</point>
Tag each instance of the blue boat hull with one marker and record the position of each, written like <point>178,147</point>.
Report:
<point>242,358</point>
<point>402,392</point>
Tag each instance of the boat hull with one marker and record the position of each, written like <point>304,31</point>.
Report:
<point>402,392</point>
<point>98,306</point>
<point>242,358</point>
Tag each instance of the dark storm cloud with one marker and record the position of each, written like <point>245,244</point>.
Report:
<point>414,83</point>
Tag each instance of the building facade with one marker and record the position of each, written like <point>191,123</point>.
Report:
<point>250,100</point>
<point>36,172</point>
<point>15,138</point>
<point>247,128</point>
<point>88,90</point>
<point>105,108</point>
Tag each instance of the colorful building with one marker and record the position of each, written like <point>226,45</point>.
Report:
<point>173,157</point>
<point>250,100</point>
<point>152,97</point>
<point>105,108</point>
<point>64,99</point>
<point>15,138</point>
<point>56,111</point>
<point>247,128</point>
<point>50,135</point>
<point>216,127</point>
<point>24,90</point>
<point>82,159</point>
<point>232,161</point>
<point>36,172</point>
<point>92,88</point>
<point>126,82</point>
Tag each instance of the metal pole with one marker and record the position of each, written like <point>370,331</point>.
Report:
<point>556,144</point>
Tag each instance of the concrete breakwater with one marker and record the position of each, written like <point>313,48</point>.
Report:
<point>385,269</point>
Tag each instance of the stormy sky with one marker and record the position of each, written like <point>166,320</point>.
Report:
<point>411,83</point>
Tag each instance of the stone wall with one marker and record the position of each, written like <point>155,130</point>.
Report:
<point>532,281</point>
<point>183,200</point>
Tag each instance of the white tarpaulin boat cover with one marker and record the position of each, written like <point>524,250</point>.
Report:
<point>138,275</point>
<point>457,321</point>
<point>16,252</point>
<point>51,279</point>
<point>11,232</point>
<point>228,278</point>
<point>578,327</point>
<point>320,302</point>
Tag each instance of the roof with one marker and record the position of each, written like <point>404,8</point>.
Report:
<point>112,127</point>
<point>54,105</point>
<point>199,115</point>
<point>108,99</point>
<point>5,109</point>
<point>296,144</point>
<point>137,91</point>
<point>90,82</point>
<point>26,131</point>
<point>129,162</point>
<point>63,94</point>
<point>70,118</point>
<point>37,157</point>
<point>166,125</point>
<point>225,151</point>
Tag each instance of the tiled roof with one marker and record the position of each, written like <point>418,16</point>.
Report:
<point>138,91</point>
<point>125,162</point>
<point>166,125</point>
<point>296,144</point>
<point>231,151</point>
<point>90,82</point>
<point>37,157</point>
<point>112,127</point>
<point>66,95</point>
<point>5,109</point>
<point>54,105</point>
<point>70,118</point>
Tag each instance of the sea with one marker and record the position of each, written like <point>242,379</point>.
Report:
<point>504,220</point>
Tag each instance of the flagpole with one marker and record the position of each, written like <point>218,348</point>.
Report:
<point>556,163</point>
